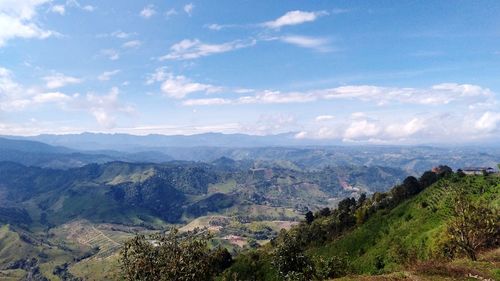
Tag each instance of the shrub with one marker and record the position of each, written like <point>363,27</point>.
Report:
<point>331,267</point>
<point>172,257</point>
<point>290,261</point>
<point>473,226</point>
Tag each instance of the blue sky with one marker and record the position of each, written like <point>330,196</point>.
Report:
<point>354,71</point>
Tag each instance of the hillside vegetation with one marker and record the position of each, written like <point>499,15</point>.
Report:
<point>74,221</point>
<point>404,231</point>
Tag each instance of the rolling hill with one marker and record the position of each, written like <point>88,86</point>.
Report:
<point>398,241</point>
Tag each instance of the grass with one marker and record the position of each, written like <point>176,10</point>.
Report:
<point>486,268</point>
<point>223,187</point>
<point>13,248</point>
<point>12,275</point>
<point>409,226</point>
<point>97,269</point>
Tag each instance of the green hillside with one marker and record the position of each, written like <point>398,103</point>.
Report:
<point>386,235</point>
<point>415,227</point>
<point>89,211</point>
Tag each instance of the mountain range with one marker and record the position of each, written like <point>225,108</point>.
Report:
<point>67,205</point>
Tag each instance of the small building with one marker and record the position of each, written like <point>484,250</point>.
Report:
<point>478,170</point>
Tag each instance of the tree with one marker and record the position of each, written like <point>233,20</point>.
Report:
<point>331,267</point>
<point>361,215</point>
<point>291,261</point>
<point>220,259</point>
<point>325,212</point>
<point>361,200</point>
<point>473,226</point>
<point>171,257</point>
<point>443,170</point>
<point>427,179</point>
<point>309,217</point>
<point>411,185</point>
<point>460,173</point>
<point>408,188</point>
<point>347,205</point>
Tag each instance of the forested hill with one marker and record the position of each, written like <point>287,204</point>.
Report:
<point>416,229</point>
<point>135,193</point>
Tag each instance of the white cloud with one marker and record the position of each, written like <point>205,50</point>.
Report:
<point>263,97</point>
<point>318,44</point>
<point>322,118</point>
<point>132,44</point>
<point>88,8</point>
<point>179,87</point>
<point>361,129</point>
<point>488,122</point>
<point>270,97</point>
<point>436,95</point>
<point>122,35</point>
<point>18,20</point>
<point>450,118</point>
<point>181,129</point>
<point>243,90</point>
<point>171,12</point>
<point>104,108</point>
<point>76,4</point>
<point>12,95</point>
<point>217,27</point>
<point>16,97</point>
<point>60,80</point>
<point>100,107</point>
<point>59,9</point>
<point>301,135</point>
<point>214,26</point>
<point>271,124</point>
<point>111,54</point>
<point>202,102</point>
<point>106,75</point>
<point>441,94</point>
<point>159,75</point>
<point>406,129</point>
<point>53,97</point>
<point>358,115</point>
<point>148,11</point>
<point>192,49</point>
<point>294,18</point>
<point>188,8</point>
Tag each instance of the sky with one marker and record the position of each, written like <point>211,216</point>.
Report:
<point>385,72</point>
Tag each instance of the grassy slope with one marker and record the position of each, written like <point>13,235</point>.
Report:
<point>410,225</point>
<point>413,226</point>
<point>13,248</point>
<point>487,267</point>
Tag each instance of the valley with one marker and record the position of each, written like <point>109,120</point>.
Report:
<point>71,221</point>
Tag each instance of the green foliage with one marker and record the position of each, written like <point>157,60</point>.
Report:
<point>309,217</point>
<point>383,233</point>
<point>413,230</point>
<point>474,225</point>
<point>410,187</point>
<point>251,266</point>
<point>172,257</point>
<point>220,259</point>
<point>290,260</point>
<point>331,267</point>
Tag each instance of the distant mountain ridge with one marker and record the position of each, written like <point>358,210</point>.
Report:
<point>34,153</point>
<point>97,141</point>
<point>66,151</point>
